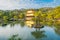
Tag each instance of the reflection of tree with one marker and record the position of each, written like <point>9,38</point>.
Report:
<point>13,23</point>
<point>4,23</point>
<point>38,34</point>
<point>17,22</point>
<point>22,23</point>
<point>57,30</point>
<point>14,37</point>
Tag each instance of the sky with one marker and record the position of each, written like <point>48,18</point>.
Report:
<point>26,4</point>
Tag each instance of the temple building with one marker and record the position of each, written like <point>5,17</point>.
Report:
<point>29,15</point>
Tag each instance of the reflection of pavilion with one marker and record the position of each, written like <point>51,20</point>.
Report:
<point>29,23</point>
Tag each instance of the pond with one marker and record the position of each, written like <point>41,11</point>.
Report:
<point>20,31</point>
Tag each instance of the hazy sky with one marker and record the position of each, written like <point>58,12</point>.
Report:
<point>18,4</point>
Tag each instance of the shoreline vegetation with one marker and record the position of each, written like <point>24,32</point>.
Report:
<point>44,15</point>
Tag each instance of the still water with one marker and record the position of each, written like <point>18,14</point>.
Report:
<point>20,32</point>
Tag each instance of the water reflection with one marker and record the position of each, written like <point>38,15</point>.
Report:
<point>14,37</point>
<point>57,29</point>
<point>29,23</point>
<point>29,30</point>
<point>38,34</point>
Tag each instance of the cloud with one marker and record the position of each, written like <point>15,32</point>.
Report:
<point>18,4</point>
<point>8,4</point>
